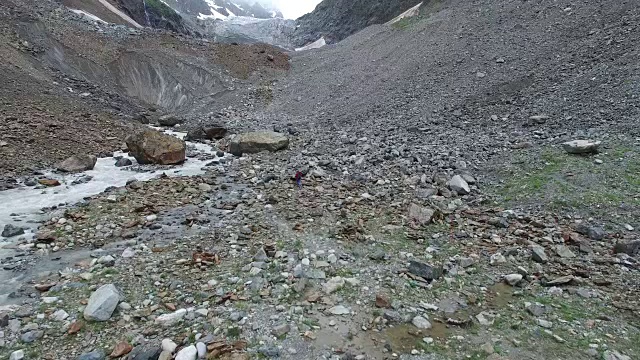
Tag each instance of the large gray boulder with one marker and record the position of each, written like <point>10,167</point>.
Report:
<point>102,303</point>
<point>169,120</point>
<point>77,163</point>
<point>255,142</point>
<point>153,147</point>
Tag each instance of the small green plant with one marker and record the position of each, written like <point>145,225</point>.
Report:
<point>233,332</point>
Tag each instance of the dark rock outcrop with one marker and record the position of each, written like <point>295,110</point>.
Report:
<point>336,19</point>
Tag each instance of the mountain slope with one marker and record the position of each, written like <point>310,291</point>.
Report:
<point>336,19</point>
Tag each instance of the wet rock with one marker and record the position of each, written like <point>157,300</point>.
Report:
<point>123,162</point>
<point>77,163</point>
<point>538,254</point>
<point>188,353</point>
<point>82,180</point>
<point>11,231</point>
<point>169,120</point>
<point>4,320</point>
<point>459,185</point>
<point>419,215</point>
<point>424,270</point>
<point>256,142</point>
<point>581,147</point>
<point>94,355</point>
<point>209,132</point>
<point>49,182</point>
<point>215,132</point>
<point>421,323</point>
<point>154,147</point>
<point>102,303</point>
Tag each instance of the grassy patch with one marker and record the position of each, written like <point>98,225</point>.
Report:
<point>560,181</point>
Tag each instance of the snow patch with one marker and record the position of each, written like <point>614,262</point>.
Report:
<point>414,11</point>
<point>214,15</point>
<point>122,15</point>
<point>88,15</point>
<point>314,45</point>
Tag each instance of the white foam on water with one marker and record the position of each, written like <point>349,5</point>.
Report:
<point>26,202</point>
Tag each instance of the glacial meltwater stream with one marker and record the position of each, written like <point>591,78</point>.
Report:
<point>23,207</point>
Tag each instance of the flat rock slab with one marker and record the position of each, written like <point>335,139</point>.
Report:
<point>581,146</point>
<point>425,271</point>
<point>255,142</point>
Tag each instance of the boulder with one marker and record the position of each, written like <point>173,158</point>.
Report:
<point>419,215</point>
<point>102,303</point>
<point>215,132</point>
<point>459,185</point>
<point>209,132</point>
<point>153,147</point>
<point>77,163</point>
<point>49,182</point>
<point>169,120</point>
<point>11,231</point>
<point>188,353</point>
<point>255,142</point>
<point>123,162</point>
<point>513,279</point>
<point>421,323</point>
<point>581,146</point>
<point>424,270</point>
